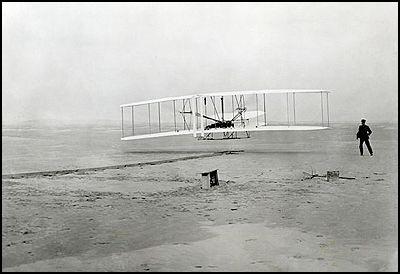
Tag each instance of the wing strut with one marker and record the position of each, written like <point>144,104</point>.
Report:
<point>327,106</point>
<point>265,111</point>
<point>159,117</point>
<point>257,109</point>
<point>287,108</point>
<point>174,114</point>
<point>122,122</point>
<point>322,111</point>
<point>294,107</point>
<point>133,123</point>
<point>222,107</point>
<point>201,115</point>
<point>192,107</point>
<point>148,107</point>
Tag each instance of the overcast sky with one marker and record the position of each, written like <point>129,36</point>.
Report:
<point>81,61</point>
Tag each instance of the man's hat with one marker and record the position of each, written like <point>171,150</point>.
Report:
<point>363,120</point>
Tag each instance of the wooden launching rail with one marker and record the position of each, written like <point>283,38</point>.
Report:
<point>70,171</point>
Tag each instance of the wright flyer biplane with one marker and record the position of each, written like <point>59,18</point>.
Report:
<point>226,115</point>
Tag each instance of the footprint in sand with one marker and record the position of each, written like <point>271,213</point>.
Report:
<point>180,243</point>
<point>379,173</point>
<point>145,267</point>
<point>101,243</point>
<point>257,262</point>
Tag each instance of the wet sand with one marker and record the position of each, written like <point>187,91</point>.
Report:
<point>157,218</point>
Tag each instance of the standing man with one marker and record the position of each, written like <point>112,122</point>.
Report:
<point>363,134</point>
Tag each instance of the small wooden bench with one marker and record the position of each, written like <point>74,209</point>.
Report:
<point>209,179</point>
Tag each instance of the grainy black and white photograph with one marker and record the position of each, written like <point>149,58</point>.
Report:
<point>197,137</point>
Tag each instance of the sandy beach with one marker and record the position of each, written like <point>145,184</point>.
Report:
<point>264,216</point>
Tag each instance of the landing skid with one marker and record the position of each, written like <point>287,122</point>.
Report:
<point>225,136</point>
